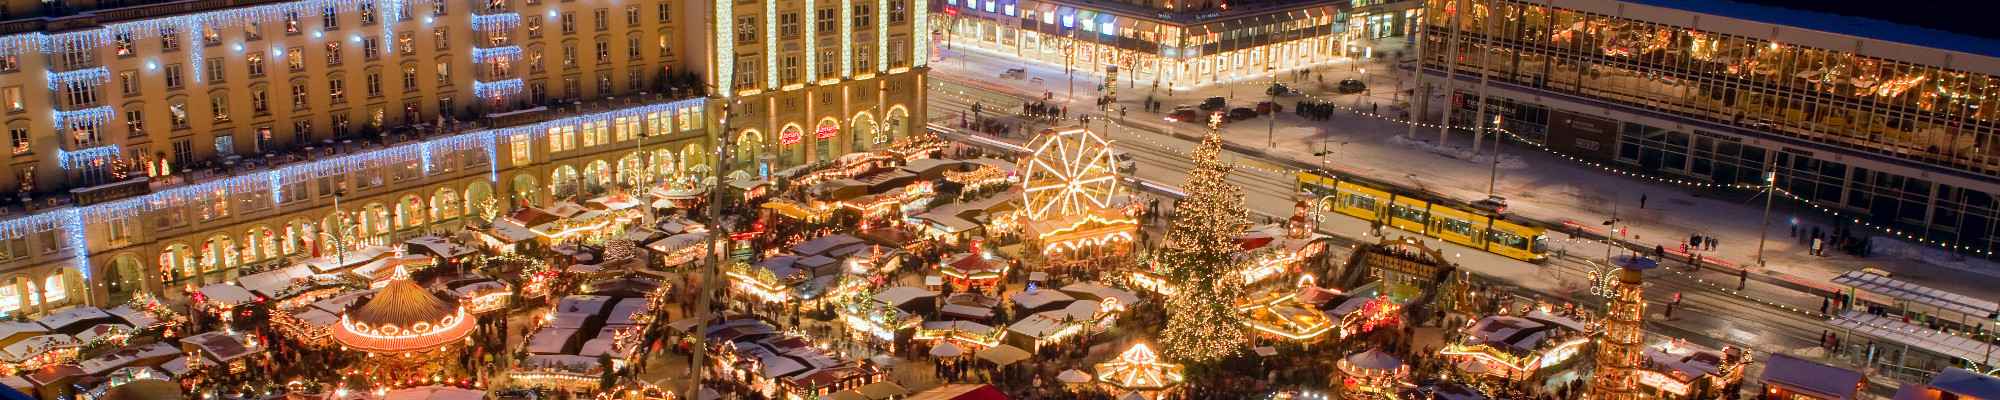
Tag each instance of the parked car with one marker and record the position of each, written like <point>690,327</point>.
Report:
<point>1279,89</point>
<point>1242,113</point>
<point>1214,103</point>
<point>1492,203</point>
<point>1126,164</point>
<point>1352,86</point>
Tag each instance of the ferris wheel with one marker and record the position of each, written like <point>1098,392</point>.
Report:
<point>1072,172</point>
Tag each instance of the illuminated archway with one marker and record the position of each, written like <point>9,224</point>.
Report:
<point>695,159</point>
<point>632,169</point>
<point>445,204</point>
<point>826,139</point>
<point>564,182</point>
<point>260,243</point>
<point>597,176</point>
<point>127,277</point>
<point>526,191</point>
<point>662,164</point>
<point>218,253</point>
<point>16,295</point>
<point>896,125</point>
<point>176,262</point>
<point>789,150</point>
<point>376,219</point>
<point>862,128</point>
<point>63,286</point>
<point>297,235</point>
<point>476,195</point>
<point>409,212</point>
<point>749,144</point>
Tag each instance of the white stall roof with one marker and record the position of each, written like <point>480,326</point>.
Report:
<point>268,283</point>
<point>820,245</point>
<point>1038,298</point>
<point>600,346</point>
<point>549,341</point>
<point>903,294</point>
<point>1920,294</point>
<point>64,318</point>
<point>126,356</point>
<point>441,246</point>
<point>1097,291</point>
<point>434,393</point>
<point>1898,331</point>
<point>11,329</point>
<point>582,304</point>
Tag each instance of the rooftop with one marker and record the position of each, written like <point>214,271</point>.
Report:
<point>1837,24</point>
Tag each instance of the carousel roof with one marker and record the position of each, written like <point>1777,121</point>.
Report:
<point>402,317</point>
<point>1374,359</point>
<point>1139,369</point>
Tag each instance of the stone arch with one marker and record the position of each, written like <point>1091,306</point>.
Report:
<point>217,253</point>
<point>445,204</point>
<point>63,286</point>
<point>789,154</point>
<point>176,262</point>
<point>829,147</point>
<point>295,236</point>
<point>16,295</point>
<point>565,181</point>
<point>896,124</point>
<point>410,212</point>
<point>376,219</point>
<point>597,176</point>
<point>260,243</point>
<point>662,163</point>
<point>525,190</point>
<point>632,169</point>
<point>862,131</point>
<point>694,159</point>
<point>749,144</point>
<point>125,277</point>
<point>336,228</point>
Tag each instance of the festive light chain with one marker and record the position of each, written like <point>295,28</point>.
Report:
<point>492,90</point>
<point>79,158</point>
<point>89,116</point>
<point>493,22</point>
<point>496,54</point>
<point>36,42</point>
<point>91,77</point>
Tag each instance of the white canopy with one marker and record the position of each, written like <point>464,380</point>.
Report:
<point>1038,298</point>
<point>903,294</point>
<point>947,349</point>
<point>227,294</point>
<point>1911,292</point>
<point>440,246</point>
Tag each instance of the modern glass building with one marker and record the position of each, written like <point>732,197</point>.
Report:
<point>1892,123</point>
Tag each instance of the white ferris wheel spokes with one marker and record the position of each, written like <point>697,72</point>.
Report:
<point>1070,173</point>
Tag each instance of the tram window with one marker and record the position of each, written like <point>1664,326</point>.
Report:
<point>1318,190</point>
<point>1351,200</point>
<point>1408,214</point>
<point>1458,227</point>
<point>1507,239</point>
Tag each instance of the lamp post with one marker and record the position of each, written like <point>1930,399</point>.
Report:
<point>718,243</point>
<point>1764,224</point>
<point>1493,179</point>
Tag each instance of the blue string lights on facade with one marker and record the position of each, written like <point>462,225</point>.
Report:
<point>496,54</point>
<point>98,115</point>
<point>494,90</point>
<point>91,77</point>
<point>80,158</point>
<point>493,22</point>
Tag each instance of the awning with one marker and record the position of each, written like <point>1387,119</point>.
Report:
<point>1916,336</point>
<point>1107,24</point>
<point>1066,16</point>
<point>1148,26</point>
<point>789,209</point>
<point>1047,11</point>
<point>1086,20</point>
<point>1915,293</point>
<point>884,389</point>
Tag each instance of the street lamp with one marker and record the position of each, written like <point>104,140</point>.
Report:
<point>1764,227</point>
<point>1494,178</point>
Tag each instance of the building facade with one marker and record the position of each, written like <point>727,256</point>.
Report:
<point>1897,133</point>
<point>462,110</point>
<point>1152,42</point>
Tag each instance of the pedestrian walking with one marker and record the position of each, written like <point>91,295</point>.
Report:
<point>1712,242</point>
<point>1642,201</point>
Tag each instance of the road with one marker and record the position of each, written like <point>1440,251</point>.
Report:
<point>1712,314</point>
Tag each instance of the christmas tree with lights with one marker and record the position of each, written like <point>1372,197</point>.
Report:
<point>1200,259</point>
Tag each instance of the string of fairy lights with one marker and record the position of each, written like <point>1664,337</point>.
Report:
<point>1888,230</point>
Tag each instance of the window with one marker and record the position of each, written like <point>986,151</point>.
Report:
<point>336,89</point>
<point>602,18</point>
<point>522,153</point>
<point>538,92</point>
<point>10,64</point>
<point>183,152</point>
<point>666,12</point>
<point>225,145</point>
<point>534,27</point>
<point>210,36</point>
<point>896,54</point>
<point>170,40</point>
<point>409,79</point>
<point>367,13</point>
<point>53,289</point>
<point>291,22</point>
<point>829,62</point>
<point>135,125</point>
<point>81,95</point>
<point>535,62</point>
<point>121,44</point>
<point>632,80</point>
<point>789,68</point>
<point>371,48</point>
<point>177,114</point>
<point>896,12</point>
<point>261,140</point>
<point>437,8</point>
<point>444,73</point>
<point>173,76</point>
<point>14,99</point>
<point>632,47</point>
<point>78,59</point>
<point>302,131</point>
<point>788,25</point>
<point>632,16</point>
<point>219,103</point>
<point>332,53</point>
<point>603,52</point>
<point>330,18</point>
<point>20,137</point>
<point>445,105</point>
<point>864,15</point>
<point>746,30</point>
<point>864,60</point>
<point>299,101</point>
<point>443,37</point>
<point>406,42</point>
<point>746,74</point>
<point>569,55</point>
<point>374,82</point>
<point>254,64</point>
<point>253,30</point>
<point>339,125</point>
<point>296,59</point>
<point>603,84</point>
<point>827,21</point>
<point>568,23</point>
<point>215,71</point>
<point>259,101</point>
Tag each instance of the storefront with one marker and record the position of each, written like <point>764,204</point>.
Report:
<point>1145,50</point>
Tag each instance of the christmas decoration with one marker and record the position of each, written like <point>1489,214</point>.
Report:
<point>1199,258</point>
<point>1618,351</point>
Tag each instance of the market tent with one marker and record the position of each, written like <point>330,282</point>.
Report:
<point>1967,384</point>
<point>1003,354</point>
<point>896,296</point>
<point>226,294</point>
<point>1818,380</point>
<point>1098,291</point>
<point>961,392</point>
<point>1041,298</point>
<point>789,209</point>
<point>845,395</point>
<point>947,349</point>
<point>270,283</point>
<point>823,244</point>
<point>434,393</point>
<point>1073,375</point>
<point>883,390</point>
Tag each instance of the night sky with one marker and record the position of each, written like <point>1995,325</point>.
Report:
<point>1971,17</point>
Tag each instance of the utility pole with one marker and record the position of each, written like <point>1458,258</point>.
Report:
<point>718,243</point>
<point>1485,76</point>
<point>1421,92</point>
<point>1271,127</point>
<point>1770,190</point>
<point>1492,181</point>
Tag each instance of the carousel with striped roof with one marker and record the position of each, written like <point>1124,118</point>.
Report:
<point>406,331</point>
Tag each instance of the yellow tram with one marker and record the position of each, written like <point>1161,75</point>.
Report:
<point>1451,221</point>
